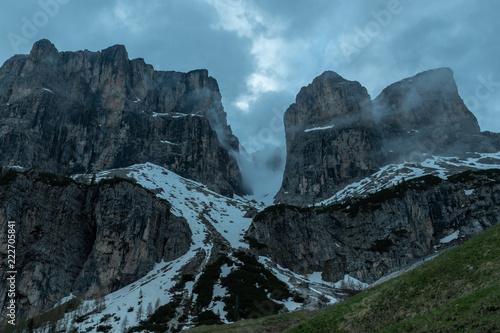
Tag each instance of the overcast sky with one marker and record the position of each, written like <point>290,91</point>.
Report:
<point>262,52</point>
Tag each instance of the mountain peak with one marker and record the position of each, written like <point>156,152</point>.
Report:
<point>440,72</point>
<point>330,75</point>
<point>117,49</point>
<point>427,100</point>
<point>336,135</point>
<point>329,95</point>
<point>116,54</point>
<point>435,80</point>
<point>44,44</point>
<point>104,93</point>
<point>328,98</point>
<point>333,80</point>
<point>43,49</point>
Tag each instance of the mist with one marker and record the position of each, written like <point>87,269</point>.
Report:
<point>263,172</point>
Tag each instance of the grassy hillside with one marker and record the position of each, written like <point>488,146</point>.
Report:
<point>271,324</point>
<point>459,291</point>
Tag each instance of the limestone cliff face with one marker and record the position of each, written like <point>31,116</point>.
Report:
<point>83,112</point>
<point>337,135</point>
<point>368,238</point>
<point>331,139</point>
<point>425,114</point>
<point>88,240</point>
<point>425,100</point>
<point>328,100</point>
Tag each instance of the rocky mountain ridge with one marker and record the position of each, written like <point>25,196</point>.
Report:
<point>133,234</point>
<point>370,186</point>
<point>75,238</point>
<point>151,212</point>
<point>84,112</point>
<point>337,135</point>
<point>369,237</point>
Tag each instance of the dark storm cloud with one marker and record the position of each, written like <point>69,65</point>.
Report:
<point>425,35</point>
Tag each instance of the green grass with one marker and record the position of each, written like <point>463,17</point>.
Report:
<point>271,324</point>
<point>459,291</point>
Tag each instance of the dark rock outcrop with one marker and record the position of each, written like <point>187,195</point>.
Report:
<point>331,139</point>
<point>88,240</point>
<point>336,135</point>
<point>83,112</point>
<point>368,238</point>
<point>425,114</point>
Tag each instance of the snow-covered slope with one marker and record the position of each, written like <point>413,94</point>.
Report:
<point>394,174</point>
<point>215,218</point>
<point>190,200</point>
<point>210,215</point>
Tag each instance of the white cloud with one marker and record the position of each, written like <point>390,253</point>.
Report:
<point>123,13</point>
<point>236,16</point>
<point>271,52</point>
<point>132,15</point>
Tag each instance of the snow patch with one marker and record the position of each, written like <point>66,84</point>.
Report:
<point>469,192</point>
<point>155,114</point>
<point>217,307</point>
<point>315,277</point>
<point>152,288</point>
<point>290,304</point>
<point>318,128</point>
<point>315,284</point>
<point>16,167</point>
<point>393,174</point>
<point>189,287</point>
<point>67,298</point>
<point>450,238</point>
<point>351,283</point>
<point>191,199</point>
<point>180,115</point>
<point>225,270</point>
<point>168,142</point>
<point>175,115</point>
